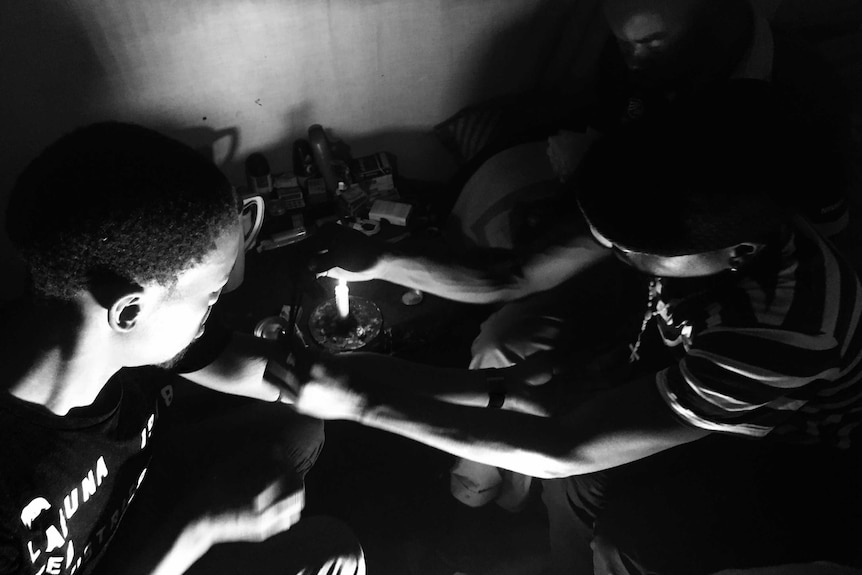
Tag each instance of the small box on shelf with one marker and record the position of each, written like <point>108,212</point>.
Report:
<point>373,166</point>
<point>317,193</point>
<point>355,200</point>
<point>397,213</point>
<point>292,231</point>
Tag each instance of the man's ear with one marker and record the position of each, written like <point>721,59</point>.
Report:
<point>237,273</point>
<point>124,312</point>
<point>742,254</point>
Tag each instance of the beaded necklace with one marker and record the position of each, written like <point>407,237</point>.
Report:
<point>651,310</point>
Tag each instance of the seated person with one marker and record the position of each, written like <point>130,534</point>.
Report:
<point>551,289</point>
<point>664,50</point>
<point>731,442</point>
<point>657,52</point>
<point>130,238</point>
<point>660,52</point>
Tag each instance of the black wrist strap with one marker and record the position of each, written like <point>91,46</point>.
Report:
<point>496,391</point>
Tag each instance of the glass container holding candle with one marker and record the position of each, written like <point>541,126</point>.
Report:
<point>345,322</point>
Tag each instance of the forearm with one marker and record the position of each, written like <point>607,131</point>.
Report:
<point>454,278</point>
<point>190,546</point>
<point>522,443</point>
<point>567,253</point>
<point>240,368</point>
<point>614,428</point>
<point>450,385</point>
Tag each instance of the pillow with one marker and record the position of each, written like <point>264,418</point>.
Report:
<point>469,131</point>
<point>505,121</point>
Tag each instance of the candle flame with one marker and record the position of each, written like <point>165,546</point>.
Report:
<point>342,298</point>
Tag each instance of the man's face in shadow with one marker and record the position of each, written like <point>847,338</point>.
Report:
<point>655,36</point>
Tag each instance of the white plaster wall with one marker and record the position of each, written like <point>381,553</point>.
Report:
<point>254,74</point>
<point>268,68</point>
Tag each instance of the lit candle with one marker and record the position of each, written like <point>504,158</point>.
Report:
<point>342,299</point>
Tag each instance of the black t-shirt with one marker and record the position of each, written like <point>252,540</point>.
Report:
<point>65,482</point>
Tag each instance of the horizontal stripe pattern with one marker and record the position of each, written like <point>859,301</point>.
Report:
<point>788,364</point>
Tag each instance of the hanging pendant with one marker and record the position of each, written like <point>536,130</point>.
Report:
<point>648,315</point>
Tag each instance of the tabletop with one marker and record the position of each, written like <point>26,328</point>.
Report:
<point>281,277</point>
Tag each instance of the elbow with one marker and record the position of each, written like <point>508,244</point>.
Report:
<point>564,463</point>
<point>549,473</point>
<point>558,470</point>
<point>514,290</point>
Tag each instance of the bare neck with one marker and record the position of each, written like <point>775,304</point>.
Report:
<point>59,356</point>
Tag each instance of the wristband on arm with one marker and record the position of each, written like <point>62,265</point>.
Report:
<point>496,391</point>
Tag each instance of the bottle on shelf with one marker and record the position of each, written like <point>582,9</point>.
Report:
<point>258,175</point>
<point>322,152</point>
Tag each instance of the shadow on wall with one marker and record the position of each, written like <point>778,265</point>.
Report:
<point>553,48</point>
<point>49,88</point>
<point>221,146</point>
<point>412,148</point>
<point>61,73</point>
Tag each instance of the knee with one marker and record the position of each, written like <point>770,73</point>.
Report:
<point>624,543</point>
<point>301,442</point>
<point>331,547</point>
<point>496,346</point>
<point>517,331</point>
<point>474,484</point>
<point>607,559</point>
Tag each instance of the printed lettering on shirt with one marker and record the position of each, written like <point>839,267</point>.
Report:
<point>147,431</point>
<point>168,395</point>
<point>50,546</point>
<point>44,554</point>
<point>49,524</point>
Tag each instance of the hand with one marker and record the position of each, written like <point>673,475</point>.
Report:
<point>547,383</point>
<point>328,395</point>
<point>524,384</point>
<point>345,253</point>
<point>288,376</point>
<point>536,369</point>
<point>268,514</point>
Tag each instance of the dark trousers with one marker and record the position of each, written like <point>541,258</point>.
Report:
<point>717,503</point>
<point>213,452</point>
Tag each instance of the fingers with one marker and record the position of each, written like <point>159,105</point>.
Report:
<point>538,368</point>
<point>272,492</point>
<point>267,516</point>
<point>321,262</point>
<point>335,273</point>
<point>281,516</point>
<point>274,518</point>
<point>266,497</point>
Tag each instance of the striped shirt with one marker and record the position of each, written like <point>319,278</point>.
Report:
<point>779,360</point>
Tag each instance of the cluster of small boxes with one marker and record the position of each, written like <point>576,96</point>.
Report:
<point>373,178</point>
<point>287,195</point>
<point>366,189</point>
